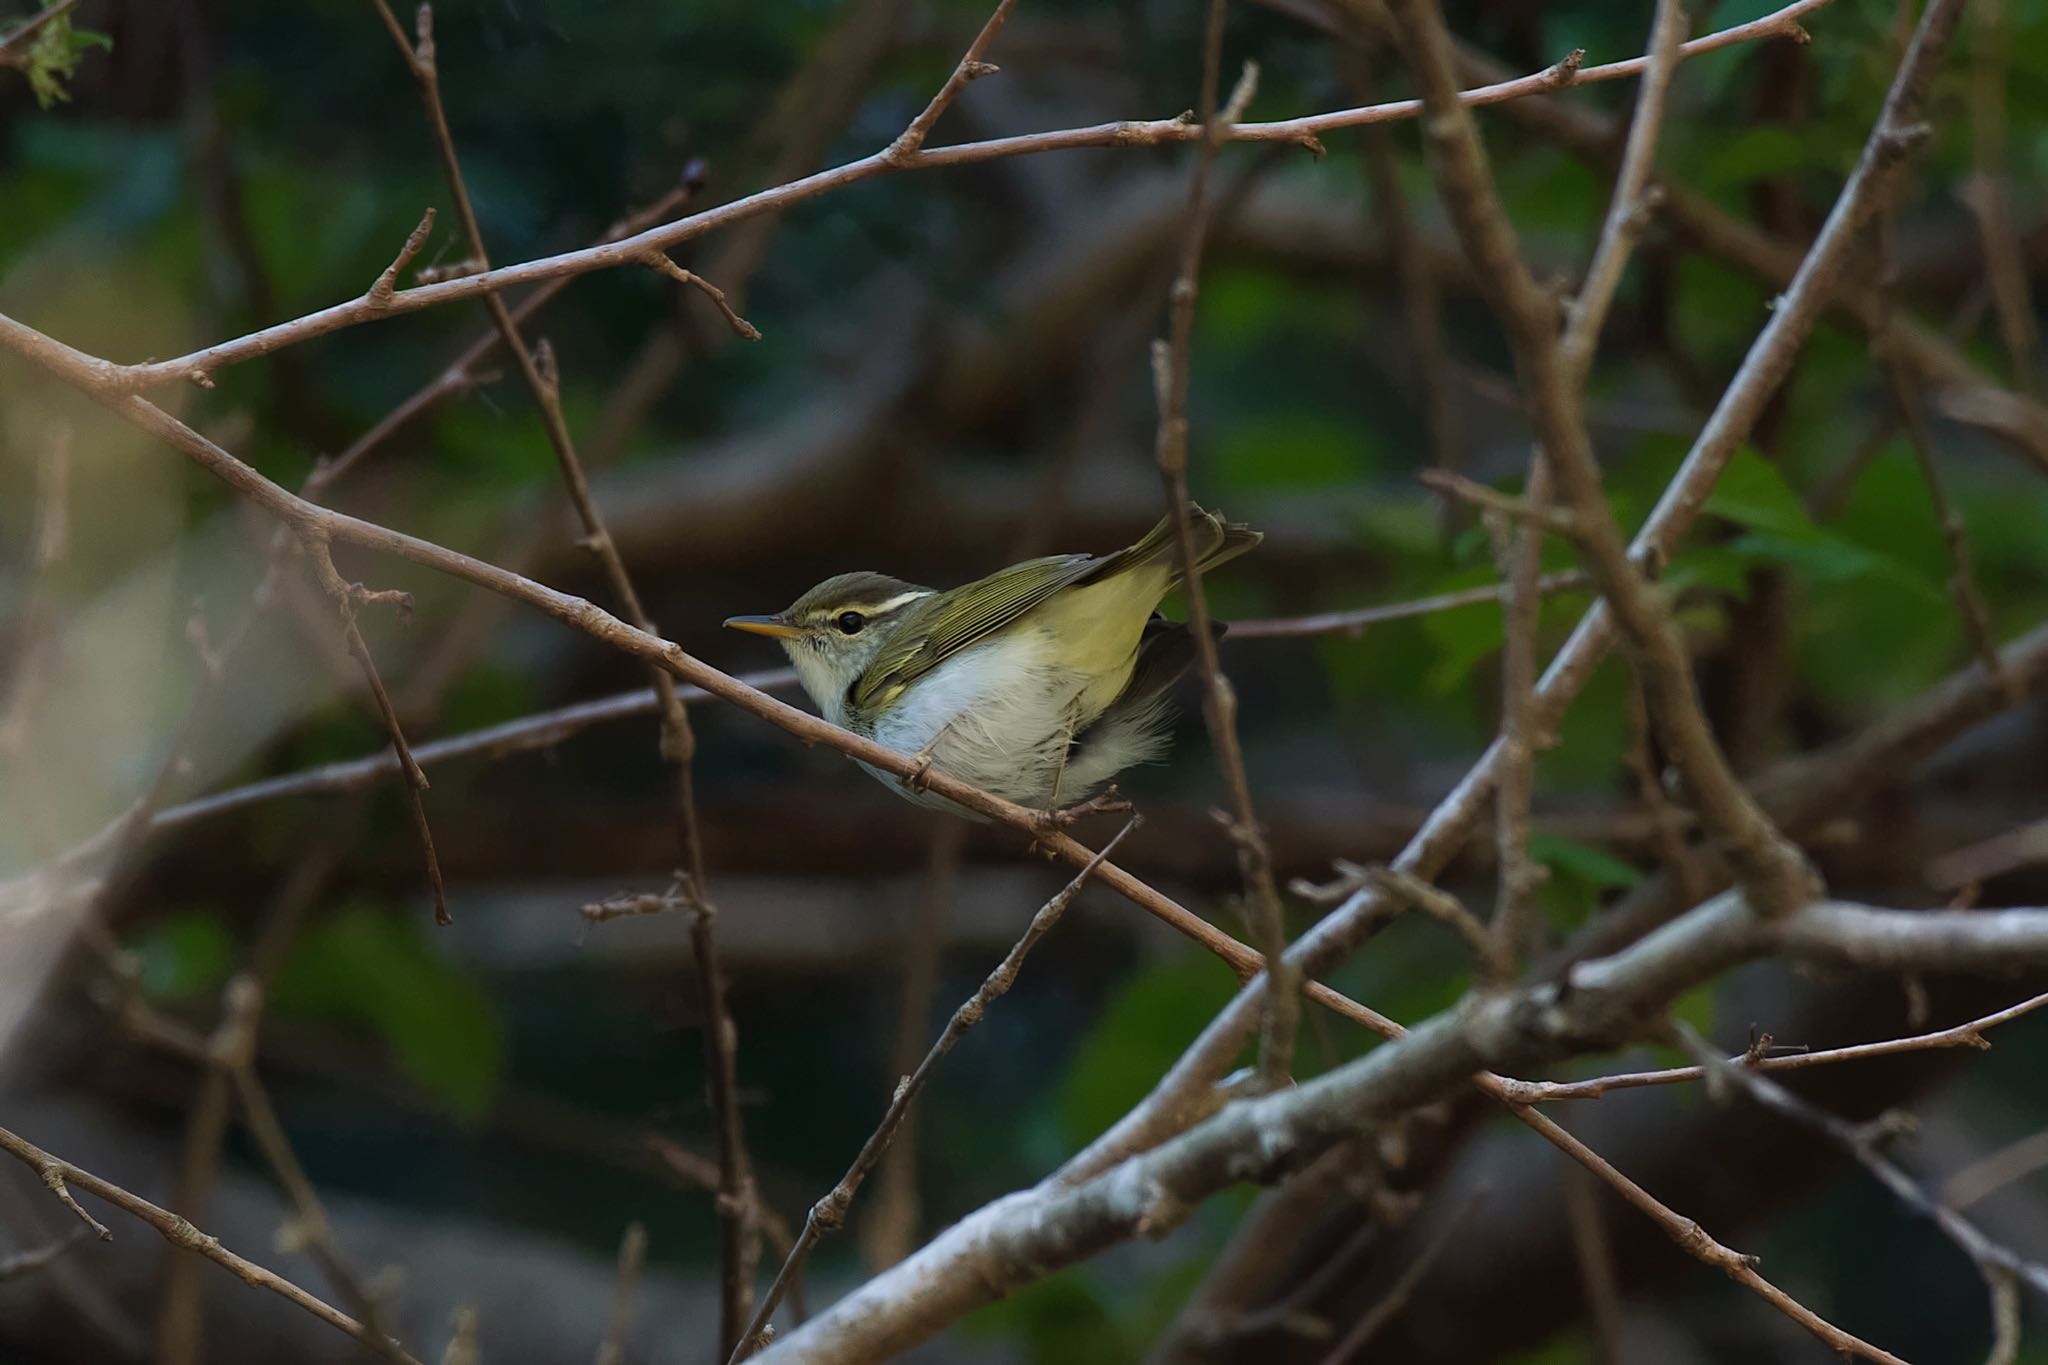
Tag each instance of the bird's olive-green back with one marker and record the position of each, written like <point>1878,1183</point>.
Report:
<point>935,628</point>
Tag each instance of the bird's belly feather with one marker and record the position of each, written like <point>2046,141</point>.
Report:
<point>998,715</point>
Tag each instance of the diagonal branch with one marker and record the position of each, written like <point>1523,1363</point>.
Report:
<point>829,1213</point>
<point>58,1174</point>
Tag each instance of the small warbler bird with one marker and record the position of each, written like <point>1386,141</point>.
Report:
<point>1038,683</point>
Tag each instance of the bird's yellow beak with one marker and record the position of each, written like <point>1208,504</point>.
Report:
<point>763,625</point>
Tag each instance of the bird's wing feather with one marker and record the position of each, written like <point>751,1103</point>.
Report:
<point>964,616</point>
<point>975,611</point>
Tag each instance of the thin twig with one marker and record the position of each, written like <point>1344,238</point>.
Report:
<point>737,1214</point>
<point>347,598</point>
<point>1355,622</point>
<point>1669,821</point>
<point>541,730</point>
<point>1862,1142</point>
<point>829,1213</point>
<point>1495,960</point>
<point>1171,358</point>
<point>889,1229</point>
<point>1970,1035</point>
<point>632,1259</point>
<point>1403,1288</point>
<point>59,1174</point>
<point>1912,414</point>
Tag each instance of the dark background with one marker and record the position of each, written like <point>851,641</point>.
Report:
<point>953,375</point>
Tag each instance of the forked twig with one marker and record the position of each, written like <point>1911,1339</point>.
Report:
<point>829,1213</point>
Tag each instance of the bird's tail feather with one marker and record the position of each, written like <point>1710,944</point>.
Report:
<point>1216,542</point>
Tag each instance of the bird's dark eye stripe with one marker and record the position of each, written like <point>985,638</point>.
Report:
<point>851,622</point>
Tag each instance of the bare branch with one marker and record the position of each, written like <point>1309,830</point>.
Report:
<point>829,1213</point>
<point>747,331</point>
<point>1995,1262</point>
<point>632,1260</point>
<point>1354,622</point>
<point>1970,1035</point>
<point>386,283</point>
<point>58,1174</point>
<point>970,68</point>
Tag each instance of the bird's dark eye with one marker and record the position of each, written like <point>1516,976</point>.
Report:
<point>851,622</point>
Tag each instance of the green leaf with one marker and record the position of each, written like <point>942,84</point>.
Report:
<point>53,57</point>
<point>1756,153</point>
<point>374,971</point>
<point>1752,492</point>
<point>1832,558</point>
<point>1599,869</point>
<point>185,956</point>
<point>1137,1038</point>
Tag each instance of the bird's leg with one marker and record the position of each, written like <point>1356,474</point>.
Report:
<point>1105,802</point>
<point>1052,802</point>
<point>921,761</point>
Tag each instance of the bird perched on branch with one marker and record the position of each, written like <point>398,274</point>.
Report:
<point>1038,683</point>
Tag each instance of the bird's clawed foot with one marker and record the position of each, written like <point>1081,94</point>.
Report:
<point>918,779</point>
<point>1108,801</point>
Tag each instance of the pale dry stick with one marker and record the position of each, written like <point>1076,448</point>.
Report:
<point>348,598</point>
<point>632,1260</point>
<point>310,1223</point>
<point>910,142</point>
<point>1862,1142</point>
<point>889,1231</point>
<point>60,1175</point>
<point>587,617</point>
<point>1513,506</point>
<point>2014,1161</point>
<point>541,730</point>
<point>1495,959</point>
<point>1354,622</point>
<point>1773,871</point>
<point>633,250</point>
<point>829,1213</point>
<point>1970,1035</point>
<point>1171,359</point>
<point>737,1215</point>
<point>23,1263</point>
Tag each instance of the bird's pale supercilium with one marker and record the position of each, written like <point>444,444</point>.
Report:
<point>1038,683</point>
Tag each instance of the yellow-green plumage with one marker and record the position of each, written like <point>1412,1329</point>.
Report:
<point>1022,682</point>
